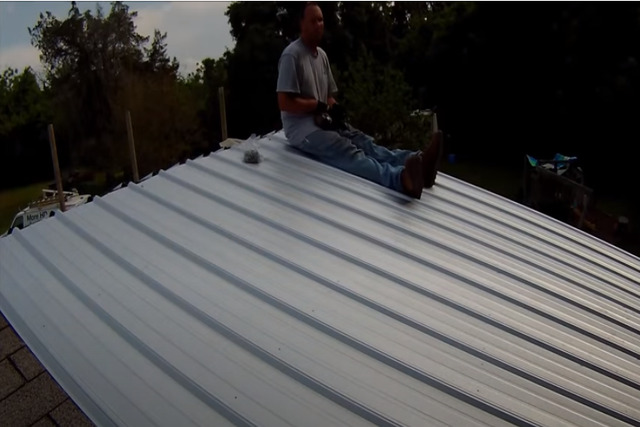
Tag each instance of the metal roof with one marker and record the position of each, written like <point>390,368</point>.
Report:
<point>292,293</point>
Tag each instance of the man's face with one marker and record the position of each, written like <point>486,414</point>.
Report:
<point>312,24</point>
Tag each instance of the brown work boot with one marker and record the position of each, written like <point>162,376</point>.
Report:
<point>412,180</point>
<point>431,159</point>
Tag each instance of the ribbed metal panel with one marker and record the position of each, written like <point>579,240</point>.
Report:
<point>291,293</point>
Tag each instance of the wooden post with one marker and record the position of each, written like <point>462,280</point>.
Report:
<point>132,149</point>
<point>56,167</point>
<point>223,113</point>
<point>585,204</point>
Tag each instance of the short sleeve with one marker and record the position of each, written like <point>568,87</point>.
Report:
<point>287,75</point>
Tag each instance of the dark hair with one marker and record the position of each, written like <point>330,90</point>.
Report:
<point>304,7</point>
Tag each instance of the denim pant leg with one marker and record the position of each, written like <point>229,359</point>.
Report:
<point>338,151</point>
<point>380,153</point>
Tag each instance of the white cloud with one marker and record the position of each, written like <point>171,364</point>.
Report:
<point>20,56</point>
<point>195,30</point>
<point>149,19</point>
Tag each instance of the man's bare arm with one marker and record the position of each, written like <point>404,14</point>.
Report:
<point>292,103</point>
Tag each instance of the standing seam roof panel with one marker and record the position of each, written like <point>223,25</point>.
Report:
<point>292,293</point>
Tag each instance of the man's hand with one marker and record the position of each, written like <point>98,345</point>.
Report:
<point>331,101</point>
<point>321,107</point>
<point>338,114</point>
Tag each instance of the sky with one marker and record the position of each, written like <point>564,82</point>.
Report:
<point>195,30</point>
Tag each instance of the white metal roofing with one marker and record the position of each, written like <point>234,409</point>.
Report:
<point>292,293</point>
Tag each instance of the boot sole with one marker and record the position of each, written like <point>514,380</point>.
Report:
<point>431,172</point>
<point>414,169</point>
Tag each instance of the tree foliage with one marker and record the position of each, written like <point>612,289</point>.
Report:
<point>98,66</point>
<point>24,113</point>
<point>378,101</point>
<point>203,85</point>
<point>508,79</point>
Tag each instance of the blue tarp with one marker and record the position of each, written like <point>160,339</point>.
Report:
<point>560,162</point>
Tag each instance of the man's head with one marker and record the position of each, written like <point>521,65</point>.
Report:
<point>311,23</point>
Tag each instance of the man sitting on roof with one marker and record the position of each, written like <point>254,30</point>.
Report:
<point>306,90</point>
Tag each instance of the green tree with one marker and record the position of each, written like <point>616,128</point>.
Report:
<point>379,102</point>
<point>262,30</point>
<point>157,60</point>
<point>86,58</point>
<point>22,101</point>
<point>203,84</point>
<point>24,112</point>
<point>98,67</point>
<point>252,67</point>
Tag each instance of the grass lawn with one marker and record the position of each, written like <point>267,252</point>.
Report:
<point>15,199</point>
<point>11,201</point>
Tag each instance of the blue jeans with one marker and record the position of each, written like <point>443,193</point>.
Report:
<point>357,153</point>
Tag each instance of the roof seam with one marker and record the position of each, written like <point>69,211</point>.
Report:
<point>116,326</point>
<point>311,321</point>
<point>421,261</point>
<point>509,239</point>
<point>486,216</point>
<point>356,261</point>
<point>294,373</point>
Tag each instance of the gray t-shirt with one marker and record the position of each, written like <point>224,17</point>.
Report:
<point>301,72</point>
